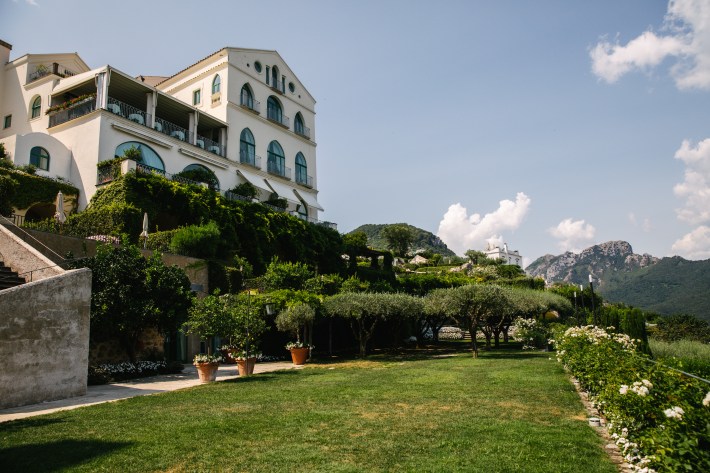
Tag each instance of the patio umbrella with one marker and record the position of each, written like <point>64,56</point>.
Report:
<point>60,216</point>
<point>144,233</point>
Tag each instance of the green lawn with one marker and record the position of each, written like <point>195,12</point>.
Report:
<point>507,411</point>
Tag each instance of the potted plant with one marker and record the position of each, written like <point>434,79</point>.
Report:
<point>207,366</point>
<point>246,326</point>
<point>207,318</point>
<point>296,319</point>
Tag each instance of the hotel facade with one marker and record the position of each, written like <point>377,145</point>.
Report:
<point>239,114</point>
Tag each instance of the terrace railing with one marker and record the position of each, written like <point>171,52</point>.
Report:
<point>75,111</point>
<point>54,68</point>
<point>278,118</point>
<point>303,131</point>
<point>209,145</point>
<point>247,101</point>
<point>304,179</point>
<point>126,111</point>
<point>171,129</point>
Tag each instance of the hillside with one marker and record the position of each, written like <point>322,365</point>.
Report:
<point>673,285</point>
<point>667,286</point>
<point>423,240</point>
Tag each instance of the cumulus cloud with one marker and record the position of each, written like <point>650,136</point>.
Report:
<point>462,232</point>
<point>685,38</point>
<point>694,245</point>
<point>695,188</point>
<point>572,234</point>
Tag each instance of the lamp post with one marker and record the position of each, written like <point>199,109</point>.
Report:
<point>581,289</point>
<point>575,302</point>
<point>591,287</point>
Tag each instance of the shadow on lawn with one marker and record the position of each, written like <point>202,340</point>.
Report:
<point>21,424</point>
<point>55,456</point>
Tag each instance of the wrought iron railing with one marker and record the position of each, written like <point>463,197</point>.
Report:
<point>126,111</point>
<point>278,170</point>
<point>75,111</point>
<point>171,129</point>
<point>250,159</point>
<point>209,145</point>
<point>107,174</point>
<point>54,68</point>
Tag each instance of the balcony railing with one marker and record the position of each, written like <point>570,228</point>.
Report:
<point>248,102</point>
<point>126,111</point>
<point>304,179</point>
<point>107,174</point>
<point>209,145</point>
<point>315,221</point>
<point>250,159</point>
<point>278,118</point>
<point>54,68</point>
<point>167,128</point>
<point>303,130</point>
<point>274,168</point>
<point>75,111</point>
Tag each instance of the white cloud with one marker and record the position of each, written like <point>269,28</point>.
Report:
<point>646,225</point>
<point>462,232</point>
<point>695,188</point>
<point>572,234</point>
<point>694,245</point>
<point>687,40</point>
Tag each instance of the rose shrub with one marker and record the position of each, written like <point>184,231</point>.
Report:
<point>659,417</point>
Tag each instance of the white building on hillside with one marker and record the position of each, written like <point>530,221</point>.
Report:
<point>508,257</point>
<point>240,114</point>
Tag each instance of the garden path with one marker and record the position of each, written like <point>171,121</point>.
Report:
<point>133,388</point>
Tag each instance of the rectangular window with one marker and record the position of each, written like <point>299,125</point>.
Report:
<point>283,84</point>
<point>196,99</point>
<point>7,122</point>
<point>267,75</point>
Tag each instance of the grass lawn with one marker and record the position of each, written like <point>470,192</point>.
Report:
<point>507,411</point>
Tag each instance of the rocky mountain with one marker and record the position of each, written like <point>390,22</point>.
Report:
<point>423,240</point>
<point>599,260</point>
<point>666,286</point>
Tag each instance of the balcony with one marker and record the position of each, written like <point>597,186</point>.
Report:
<point>278,170</point>
<point>54,68</point>
<point>278,118</point>
<point>250,159</point>
<point>75,110</point>
<point>303,131</point>
<point>127,111</point>
<point>248,102</point>
<point>304,179</point>
<point>209,145</point>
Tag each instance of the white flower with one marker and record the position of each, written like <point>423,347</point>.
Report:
<point>674,412</point>
<point>647,383</point>
<point>706,401</point>
<point>623,389</point>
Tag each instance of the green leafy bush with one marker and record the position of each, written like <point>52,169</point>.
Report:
<point>198,241</point>
<point>659,417</point>
<point>246,189</point>
<point>160,241</point>
<point>8,187</point>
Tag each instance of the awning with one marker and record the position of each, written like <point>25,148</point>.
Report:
<point>254,180</point>
<point>309,199</point>
<point>282,190</point>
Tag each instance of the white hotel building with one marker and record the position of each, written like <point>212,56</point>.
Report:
<point>241,114</point>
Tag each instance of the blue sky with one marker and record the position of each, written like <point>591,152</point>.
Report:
<point>550,125</point>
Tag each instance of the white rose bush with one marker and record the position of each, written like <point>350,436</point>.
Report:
<point>659,417</point>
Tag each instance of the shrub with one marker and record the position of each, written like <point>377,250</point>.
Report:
<point>658,416</point>
<point>8,186</point>
<point>532,333</point>
<point>199,241</point>
<point>246,189</point>
<point>160,241</point>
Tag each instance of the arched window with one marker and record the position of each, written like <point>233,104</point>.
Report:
<point>36,107</point>
<point>298,126</point>
<point>276,163</point>
<point>147,155</point>
<point>39,158</point>
<point>216,82</point>
<point>273,109</point>
<point>247,148</point>
<point>247,98</point>
<point>301,169</point>
<point>199,173</point>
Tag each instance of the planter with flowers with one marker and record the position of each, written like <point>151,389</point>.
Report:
<point>207,366</point>
<point>296,319</point>
<point>245,361</point>
<point>246,326</point>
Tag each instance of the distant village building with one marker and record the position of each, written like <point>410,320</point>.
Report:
<point>508,257</point>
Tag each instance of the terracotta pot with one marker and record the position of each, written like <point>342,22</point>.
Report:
<point>227,357</point>
<point>299,355</point>
<point>243,366</point>
<point>207,372</point>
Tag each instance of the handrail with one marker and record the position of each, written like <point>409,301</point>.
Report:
<point>39,242</point>
<point>58,265</point>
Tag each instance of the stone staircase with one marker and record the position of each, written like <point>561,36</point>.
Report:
<point>9,278</point>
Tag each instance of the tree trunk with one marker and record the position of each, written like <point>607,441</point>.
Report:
<point>330,336</point>
<point>474,346</point>
<point>496,338</point>
<point>505,334</point>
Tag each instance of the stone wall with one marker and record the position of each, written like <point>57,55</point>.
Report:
<point>25,259</point>
<point>44,339</point>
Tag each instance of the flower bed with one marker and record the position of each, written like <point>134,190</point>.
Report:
<point>113,372</point>
<point>660,418</point>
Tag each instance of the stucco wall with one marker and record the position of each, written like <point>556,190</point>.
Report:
<point>44,339</point>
